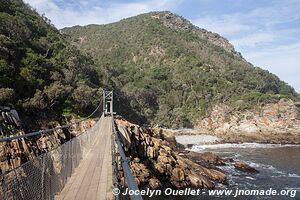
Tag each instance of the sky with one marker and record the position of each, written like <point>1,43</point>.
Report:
<point>266,32</point>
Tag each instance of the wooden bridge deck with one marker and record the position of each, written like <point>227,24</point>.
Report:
<point>92,179</point>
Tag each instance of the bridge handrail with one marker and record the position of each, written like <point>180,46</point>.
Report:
<point>45,176</point>
<point>52,129</point>
<point>129,178</point>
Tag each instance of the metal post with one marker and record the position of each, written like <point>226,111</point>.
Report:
<point>108,102</point>
<point>111,103</point>
<point>104,102</point>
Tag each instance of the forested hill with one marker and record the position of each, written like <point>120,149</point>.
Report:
<point>171,72</point>
<point>163,69</point>
<point>41,75</point>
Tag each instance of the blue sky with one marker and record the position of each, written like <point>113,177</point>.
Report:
<point>266,32</point>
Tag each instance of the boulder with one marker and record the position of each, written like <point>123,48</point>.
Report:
<point>178,174</point>
<point>242,166</point>
<point>136,160</point>
<point>212,158</point>
<point>215,175</point>
<point>166,160</point>
<point>160,167</point>
<point>151,152</point>
<point>200,181</point>
<point>154,183</point>
<point>169,169</point>
<point>247,128</point>
<point>155,163</point>
<point>163,152</point>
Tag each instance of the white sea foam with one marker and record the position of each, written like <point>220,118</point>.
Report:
<point>294,175</point>
<point>251,178</point>
<point>241,146</point>
<point>266,167</point>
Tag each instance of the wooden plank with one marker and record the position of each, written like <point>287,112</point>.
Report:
<point>92,176</point>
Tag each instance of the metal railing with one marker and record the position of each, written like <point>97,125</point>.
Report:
<point>129,178</point>
<point>46,175</point>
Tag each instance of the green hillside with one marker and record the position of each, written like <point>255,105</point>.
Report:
<point>41,74</point>
<point>163,69</point>
<point>171,73</point>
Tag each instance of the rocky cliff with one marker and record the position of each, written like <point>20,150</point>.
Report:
<point>179,23</point>
<point>15,153</point>
<point>156,163</point>
<point>277,122</point>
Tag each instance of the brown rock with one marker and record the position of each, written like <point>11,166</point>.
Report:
<point>161,168</point>
<point>178,174</point>
<point>151,152</point>
<point>136,160</point>
<point>242,166</point>
<point>181,163</point>
<point>163,152</point>
<point>156,143</point>
<point>169,169</point>
<point>212,158</point>
<point>165,160</point>
<point>154,183</point>
<point>142,150</point>
<point>147,139</point>
<point>215,175</point>
<point>200,181</point>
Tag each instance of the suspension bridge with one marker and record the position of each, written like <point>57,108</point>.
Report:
<point>85,167</point>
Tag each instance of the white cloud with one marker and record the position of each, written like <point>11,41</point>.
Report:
<point>291,49</point>
<point>266,36</point>
<point>69,16</point>
<point>284,61</point>
<point>225,25</point>
<point>253,40</point>
<point>279,12</point>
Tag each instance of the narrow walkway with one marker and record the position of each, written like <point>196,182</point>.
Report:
<point>92,179</point>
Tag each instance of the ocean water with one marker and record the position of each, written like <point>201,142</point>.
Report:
<point>278,165</point>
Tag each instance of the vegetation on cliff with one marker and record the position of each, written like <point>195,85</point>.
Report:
<point>40,73</point>
<point>164,70</point>
<point>172,73</point>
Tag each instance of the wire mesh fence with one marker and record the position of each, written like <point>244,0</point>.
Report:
<point>45,176</point>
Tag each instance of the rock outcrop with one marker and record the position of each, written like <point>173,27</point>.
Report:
<point>211,158</point>
<point>242,166</point>
<point>17,152</point>
<point>179,23</point>
<point>270,123</point>
<point>156,163</point>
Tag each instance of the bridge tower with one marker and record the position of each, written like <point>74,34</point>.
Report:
<point>108,103</point>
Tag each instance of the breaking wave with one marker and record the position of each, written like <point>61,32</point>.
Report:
<point>241,146</point>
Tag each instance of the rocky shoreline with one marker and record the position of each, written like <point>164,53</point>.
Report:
<point>157,161</point>
<point>273,123</point>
